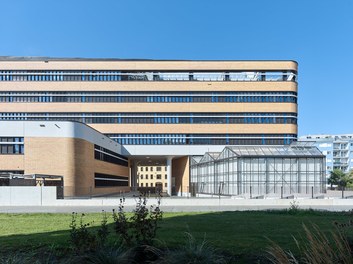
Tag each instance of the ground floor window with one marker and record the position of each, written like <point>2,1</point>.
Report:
<point>107,180</point>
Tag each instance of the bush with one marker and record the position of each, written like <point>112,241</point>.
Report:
<point>107,256</point>
<point>293,207</point>
<point>80,237</point>
<point>194,252</point>
<point>141,227</point>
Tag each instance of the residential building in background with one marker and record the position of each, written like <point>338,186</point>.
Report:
<point>153,177</point>
<point>160,112</point>
<point>338,150</point>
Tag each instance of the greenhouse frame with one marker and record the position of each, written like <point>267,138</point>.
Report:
<point>254,171</point>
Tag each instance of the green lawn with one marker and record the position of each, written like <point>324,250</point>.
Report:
<point>240,233</point>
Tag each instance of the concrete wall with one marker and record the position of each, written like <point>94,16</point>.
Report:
<point>27,195</point>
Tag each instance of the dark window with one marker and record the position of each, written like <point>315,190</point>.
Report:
<point>13,145</point>
<point>106,155</point>
<point>107,180</point>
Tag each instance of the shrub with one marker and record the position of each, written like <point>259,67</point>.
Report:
<point>15,258</point>
<point>293,207</point>
<point>141,227</point>
<point>194,252</point>
<point>107,256</point>
<point>103,231</point>
<point>80,237</point>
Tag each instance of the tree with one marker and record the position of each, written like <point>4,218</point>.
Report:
<point>341,179</point>
<point>346,179</point>
<point>335,177</point>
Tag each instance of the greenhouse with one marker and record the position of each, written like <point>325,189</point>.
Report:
<point>254,171</point>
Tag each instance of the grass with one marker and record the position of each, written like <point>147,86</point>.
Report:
<point>239,233</point>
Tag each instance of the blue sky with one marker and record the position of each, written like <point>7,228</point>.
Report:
<point>317,34</point>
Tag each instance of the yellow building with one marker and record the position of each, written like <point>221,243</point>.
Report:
<point>163,110</point>
<point>153,177</point>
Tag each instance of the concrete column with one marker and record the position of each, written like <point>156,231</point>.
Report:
<point>169,175</point>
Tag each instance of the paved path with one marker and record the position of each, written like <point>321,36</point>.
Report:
<point>179,208</point>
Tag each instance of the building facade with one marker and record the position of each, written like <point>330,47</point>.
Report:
<point>338,150</point>
<point>153,177</point>
<point>89,162</point>
<point>164,110</point>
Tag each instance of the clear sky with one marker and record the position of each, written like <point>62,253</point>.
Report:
<point>318,34</point>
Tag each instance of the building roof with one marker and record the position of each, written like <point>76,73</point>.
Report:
<point>278,151</point>
<point>45,58</point>
<point>295,150</point>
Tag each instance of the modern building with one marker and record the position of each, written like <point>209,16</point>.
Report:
<point>88,161</point>
<point>161,112</point>
<point>338,150</point>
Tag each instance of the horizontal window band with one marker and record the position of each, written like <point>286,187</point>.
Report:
<point>150,94</point>
<point>11,143</point>
<point>108,179</point>
<point>143,73</point>
<point>112,153</point>
<point>293,137</point>
<point>115,156</point>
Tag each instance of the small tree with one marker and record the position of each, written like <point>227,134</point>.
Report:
<point>346,180</point>
<point>335,177</point>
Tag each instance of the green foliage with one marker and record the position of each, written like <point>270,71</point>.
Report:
<point>196,252</point>
<point>346,180</point>
<point>294,207</point>
<point>80,237</point>
<point>318,248</point>
<point>335,177</point>
<point>338,177</point>
<point>240,234</point>
<point>103,231</point>
<point>83,239</point>
<point>107,256</point>
<point>141,227</point>
<point>16,258</point>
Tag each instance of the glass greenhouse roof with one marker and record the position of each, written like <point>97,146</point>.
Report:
<point>282,151</point>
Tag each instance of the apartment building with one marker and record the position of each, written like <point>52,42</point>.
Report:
<point>159,111</point>
<point>153,177</point>
<point>338,150</point>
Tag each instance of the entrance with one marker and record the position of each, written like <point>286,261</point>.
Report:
<point>159,187</point>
